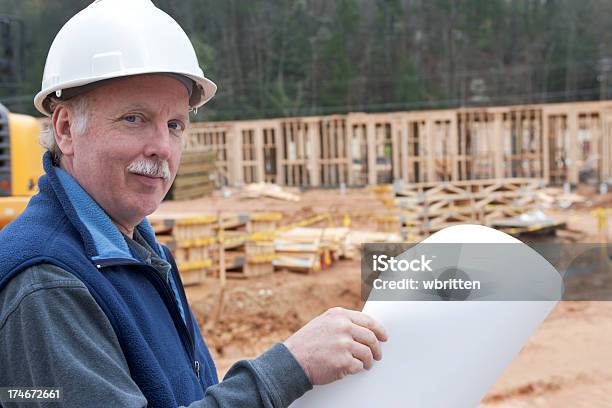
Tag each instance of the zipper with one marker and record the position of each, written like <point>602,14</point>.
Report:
<point>188,342</point>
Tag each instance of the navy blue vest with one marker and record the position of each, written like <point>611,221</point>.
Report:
<point>64,226</point>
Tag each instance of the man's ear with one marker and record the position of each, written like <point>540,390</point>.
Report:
<point>61,124</point>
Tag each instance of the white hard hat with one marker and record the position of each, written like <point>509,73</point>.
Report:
<point>118,38</point>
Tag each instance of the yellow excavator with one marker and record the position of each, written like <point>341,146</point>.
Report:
<point>20,150</point>
<point>20,162</point>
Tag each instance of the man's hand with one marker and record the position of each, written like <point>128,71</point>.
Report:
<point>337,343</point>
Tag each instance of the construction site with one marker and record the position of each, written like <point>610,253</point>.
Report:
<point>266,219</point>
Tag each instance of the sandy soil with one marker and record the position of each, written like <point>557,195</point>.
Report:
<point>360,204</point>
<point>566,363</point>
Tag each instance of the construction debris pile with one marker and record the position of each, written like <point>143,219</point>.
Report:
<point>240,244</point>
<point>555,197</point>
<point>310,237</point>
<point>311,249</point>
<point>258,190</point>
<point>514,205</point>
<point>253,244</point>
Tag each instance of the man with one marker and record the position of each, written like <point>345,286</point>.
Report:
<point>89,301</point>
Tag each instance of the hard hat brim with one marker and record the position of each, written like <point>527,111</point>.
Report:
<point>204,88</point>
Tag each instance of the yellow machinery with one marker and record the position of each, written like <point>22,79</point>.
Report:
<point>20,162</point>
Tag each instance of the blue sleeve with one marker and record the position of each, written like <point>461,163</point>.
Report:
<point>274,379</point>
<point>53,333</point>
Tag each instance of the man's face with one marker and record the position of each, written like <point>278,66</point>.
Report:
<point>134,120</point>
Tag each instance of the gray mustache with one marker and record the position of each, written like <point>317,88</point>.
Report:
<point>151,168</point>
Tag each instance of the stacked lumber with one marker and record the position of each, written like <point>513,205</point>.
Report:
<point>307,250</point>
<point>196,240</point>
<point>247,242</point>
<point>196,175</point>
<point>190,238</point>
<point>355,239</point>
<point>554,197</point>
<point>329,237</point>
<point>529,222</point>
<point>257,190</point>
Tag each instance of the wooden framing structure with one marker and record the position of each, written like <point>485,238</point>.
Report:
<point>431,206</point>
<point>560,143</point>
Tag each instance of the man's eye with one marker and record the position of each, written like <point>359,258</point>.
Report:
<point>175,126</point>
<point>131,118</point>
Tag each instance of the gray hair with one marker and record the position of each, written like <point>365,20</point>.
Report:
<point>79,106</point>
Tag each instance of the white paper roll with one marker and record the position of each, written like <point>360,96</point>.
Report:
<point>440,354</point>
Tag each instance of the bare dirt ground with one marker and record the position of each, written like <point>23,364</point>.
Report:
<point>566,363</point>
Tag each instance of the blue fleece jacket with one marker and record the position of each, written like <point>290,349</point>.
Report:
<point>158,335</point>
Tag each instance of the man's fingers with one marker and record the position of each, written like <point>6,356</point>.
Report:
<point>337,343</point>
<point>356,366</point>
<point>367,338</point>
<point>366,321</point>
<point>363,354</point>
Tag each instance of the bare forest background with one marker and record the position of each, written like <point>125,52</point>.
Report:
<point>275,58</point>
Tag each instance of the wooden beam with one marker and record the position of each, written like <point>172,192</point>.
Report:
<point>454,138</point>
<point>259,154</point>
<point>430,149</point>
<point>596,142</point>
<point>280,147</point>
<point>572,153</point>
<point>404,128</point>
<point>539,138</point>
<point>395,146</point>
<point>341,143</point>
<point>333,141</point>
<point>498,145</point>
<point>234,155</point>
<point>324,152</point>
<point>606,157</point>
<point>545,147</point>
<point>371,142</point>
<point>348,124</point>
<point>421,155</point>
<point>314,152</point>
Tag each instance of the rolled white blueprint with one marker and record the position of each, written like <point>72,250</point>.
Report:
<point>442,354</point>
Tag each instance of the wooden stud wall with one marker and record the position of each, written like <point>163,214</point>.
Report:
<point>522,138</point>
<point>269,154</point>
<point>560,143</point>
<point>415,161</point>
<point>249,156</point>
<point>333,152</point>
<point>294,160</point>
<point>606,145</point>
<point>358,152</point>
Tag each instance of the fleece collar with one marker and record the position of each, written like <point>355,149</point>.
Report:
<point>102,238</point>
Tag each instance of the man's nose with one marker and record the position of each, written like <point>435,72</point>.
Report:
<point>158,144</point>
